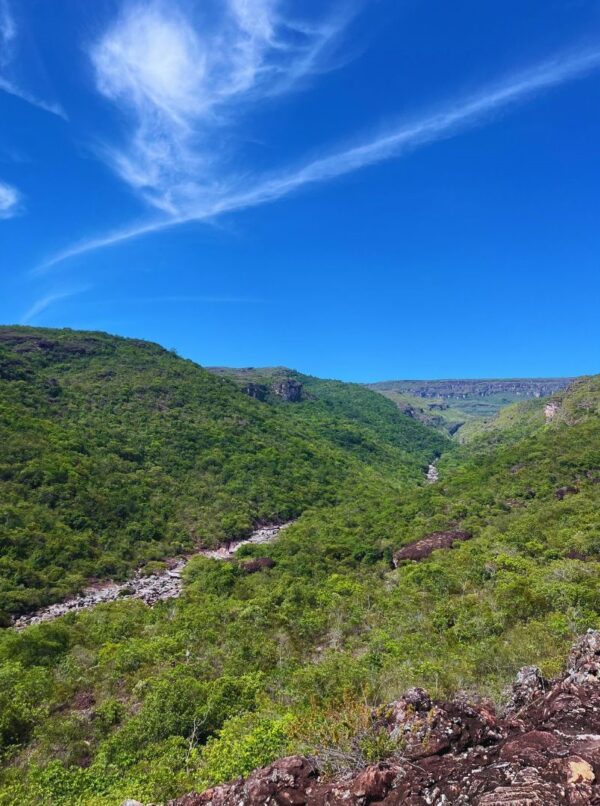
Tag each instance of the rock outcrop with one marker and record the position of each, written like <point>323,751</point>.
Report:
<point>421,549</point>
<point>459,389</point>
<point>562,492</point>
<point>289,390</point>
<point>545,749</point>
<point>256,390</point>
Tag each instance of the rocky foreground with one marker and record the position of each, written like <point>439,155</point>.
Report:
<point>544,749</point>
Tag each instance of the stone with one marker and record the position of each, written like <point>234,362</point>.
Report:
<point>563,492</point>
<point>545,751</point>
<point>421,549</point>
<point>155,587</point>
<point>289,390</point>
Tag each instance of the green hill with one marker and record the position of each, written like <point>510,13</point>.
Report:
<point>117,452</point>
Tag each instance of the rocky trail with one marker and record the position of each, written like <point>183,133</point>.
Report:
<point>151,588</point>
<point>544,750</point>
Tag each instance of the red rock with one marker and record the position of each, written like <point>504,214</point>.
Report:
<point>545,751</point>
<point>420,549</point>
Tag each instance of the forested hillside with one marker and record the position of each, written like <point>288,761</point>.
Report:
<point>116,452</point>
<point>130,701</point>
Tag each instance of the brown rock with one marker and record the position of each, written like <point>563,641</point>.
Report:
<point>420,549</point>
<point>562,492</point>
<point>256,564</point>
<point>544,752</point>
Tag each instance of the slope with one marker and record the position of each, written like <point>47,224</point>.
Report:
<point>117,452</point>
<point>130,701</point>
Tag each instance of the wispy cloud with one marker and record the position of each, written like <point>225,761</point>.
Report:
<point>8,32</point>
<point>179,299</point>
<point>8,46</point>
<point>48,300</point>
<point>11,201</point>
<point>10,88</point>
<point>442,123</point>
<point>181,75</point>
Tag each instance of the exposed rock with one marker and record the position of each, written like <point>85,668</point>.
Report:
<point>562,492</point>
<point>529,684</point>
<point>584,660</point>
<point>287,781</point>
<point>257,564</point>
<point>433,474</point>
<point>152,588</point>
<point>420,549</point>
<point>459,389</point>
<point>545,750</point>
<point>289,390</point>
<point>256,390</point>
<point>550,411</point>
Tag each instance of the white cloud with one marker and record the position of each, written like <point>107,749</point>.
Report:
<point>443,123</point>
<point>182,77</point>
<point>8,48</point>
<point>18,92</point>
<point>8,32</point>
<point>48,300</point>
<point>11,201</point>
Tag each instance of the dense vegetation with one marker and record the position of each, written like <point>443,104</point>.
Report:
<point>116,452</point>
<point>130,701</point>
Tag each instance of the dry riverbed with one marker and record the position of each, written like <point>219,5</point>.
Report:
<point>433,474</point>
<point>150,589</point>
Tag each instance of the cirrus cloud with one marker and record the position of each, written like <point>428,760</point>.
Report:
<point>181,77</point>
<point>447,121</point>
<point>11,201</point>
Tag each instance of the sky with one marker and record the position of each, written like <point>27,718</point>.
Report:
<point>366,189</point>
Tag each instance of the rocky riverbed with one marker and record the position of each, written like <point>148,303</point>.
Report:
<point>151,588</point>
<point>433,474</point>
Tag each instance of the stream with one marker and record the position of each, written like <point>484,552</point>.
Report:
<point>150,589</point>
<point>433,474</point>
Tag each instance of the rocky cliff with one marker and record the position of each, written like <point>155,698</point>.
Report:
<point>543,749</point>
<point>463,389</point>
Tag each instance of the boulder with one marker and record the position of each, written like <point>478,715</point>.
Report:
<point>421,549</point>
<point>545,750</point>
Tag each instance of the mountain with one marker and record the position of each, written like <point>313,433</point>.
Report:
<point>117,453</point>
<point>383,583</point>
<point>449,404</point>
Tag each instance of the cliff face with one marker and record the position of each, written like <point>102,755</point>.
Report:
<point>544,749</point>
<point>462,389</point>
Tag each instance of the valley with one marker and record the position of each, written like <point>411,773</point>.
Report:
<point>145,666</point>
<point>448,405</point>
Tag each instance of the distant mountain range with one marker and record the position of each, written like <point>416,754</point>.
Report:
<point>464,389</point>
<point>450,404</point>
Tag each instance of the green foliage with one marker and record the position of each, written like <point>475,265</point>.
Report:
<point>118,453</point>
<point>130,701</point>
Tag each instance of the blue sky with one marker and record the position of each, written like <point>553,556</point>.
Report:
<point>385,189</point>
